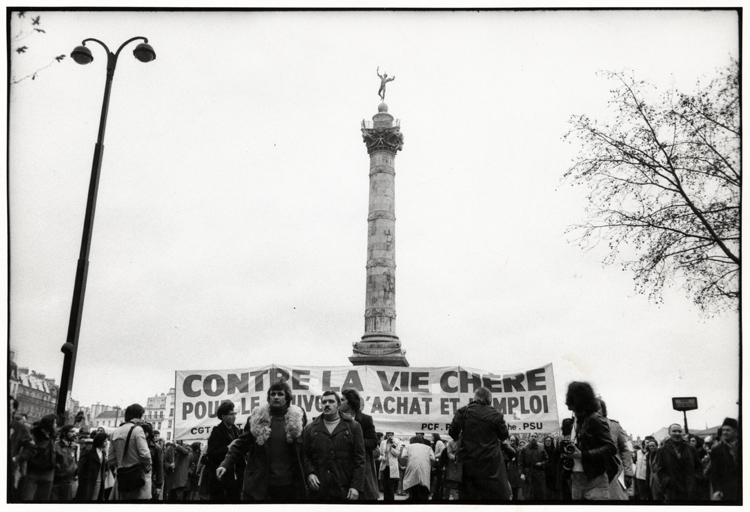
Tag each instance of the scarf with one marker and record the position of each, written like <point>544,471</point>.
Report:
<point>260,423</point>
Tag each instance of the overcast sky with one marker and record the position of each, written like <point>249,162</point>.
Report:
<point>231,223</point>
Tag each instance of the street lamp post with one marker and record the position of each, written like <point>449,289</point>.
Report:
<point>82,55</point>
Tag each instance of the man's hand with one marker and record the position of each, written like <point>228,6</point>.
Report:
<point>220,472</point>
<point>353,495</point>
<point>523,477</point>
<point>538,465</point>
<point>313,481</point>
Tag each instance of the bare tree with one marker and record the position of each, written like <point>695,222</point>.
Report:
<point>29,26</point>
<point>665,180</point>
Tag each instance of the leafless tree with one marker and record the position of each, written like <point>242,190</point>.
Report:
<point>665,180</point>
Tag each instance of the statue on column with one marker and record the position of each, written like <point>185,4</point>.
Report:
<point>384,79</point>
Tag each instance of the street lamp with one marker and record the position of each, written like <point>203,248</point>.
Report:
<point>82,55</point>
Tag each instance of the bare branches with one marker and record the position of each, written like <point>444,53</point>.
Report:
<point>664,179</point>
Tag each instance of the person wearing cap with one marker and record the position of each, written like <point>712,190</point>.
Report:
<point>724,468</point>
<point>389,450</point>
<point>678,467</point>
<point>226,490</point>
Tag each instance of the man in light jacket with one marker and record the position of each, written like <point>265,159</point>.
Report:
<point>137,453</point>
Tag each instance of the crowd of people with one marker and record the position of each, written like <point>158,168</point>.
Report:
<point>338,456</point>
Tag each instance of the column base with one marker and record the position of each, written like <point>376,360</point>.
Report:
<point>378,350</point>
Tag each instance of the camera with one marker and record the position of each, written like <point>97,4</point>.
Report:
<point>568,448</point>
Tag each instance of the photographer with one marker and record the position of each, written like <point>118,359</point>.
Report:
<point>389,450</point>
<point>593,445</point>
<point>565,464</point>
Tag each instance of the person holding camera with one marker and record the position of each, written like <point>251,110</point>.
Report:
<point>593,445</point>
<point>389,449</point>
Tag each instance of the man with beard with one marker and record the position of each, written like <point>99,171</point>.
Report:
<point>66,465</point>
<point>272,447</point>
<point>334,453</point>
<point>532,461</point>
<point>724,469</point>
<point>593,444</point>
<point>481,429</point>
<point>678,467</point>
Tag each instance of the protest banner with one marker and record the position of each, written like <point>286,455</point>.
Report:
<point>400,400</point>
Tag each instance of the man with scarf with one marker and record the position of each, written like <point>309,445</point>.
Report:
<point>678,467</point>
<point>273,446</point>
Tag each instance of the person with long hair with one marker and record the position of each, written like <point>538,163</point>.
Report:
<point>593,444</point>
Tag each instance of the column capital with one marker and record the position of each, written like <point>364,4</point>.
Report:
<point>383,139</point>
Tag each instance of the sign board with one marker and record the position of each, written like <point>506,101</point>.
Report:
<point>685,403</point>
<point>400,400</point>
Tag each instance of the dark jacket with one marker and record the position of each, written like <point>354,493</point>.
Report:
<point>38,452</point>
<point>371,492</point>
<point>90,468</point>
<point>218,447</point>
<point>66,461</point>
<point>157,463</point>
<point>483,429</point>
<point>724,471</point>
<point>594,439</point>
<point>678,475</point>
<point>252,447</point>
<point>337,459</point>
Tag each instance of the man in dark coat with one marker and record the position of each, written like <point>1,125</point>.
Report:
<point>92,471</point>
<point>481,429</point>
<point>678,467</point>
<point>272,446</point>
<point>352,405</point>
<point>226,490</point>
<point>532,463</point>
<point>724,469</point>
<point>334,453</point>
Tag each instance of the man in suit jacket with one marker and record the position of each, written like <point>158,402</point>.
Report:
<point>226,490</point>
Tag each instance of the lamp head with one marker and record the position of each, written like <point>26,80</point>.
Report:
<point>144,53</point>
<point>82,55</point>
